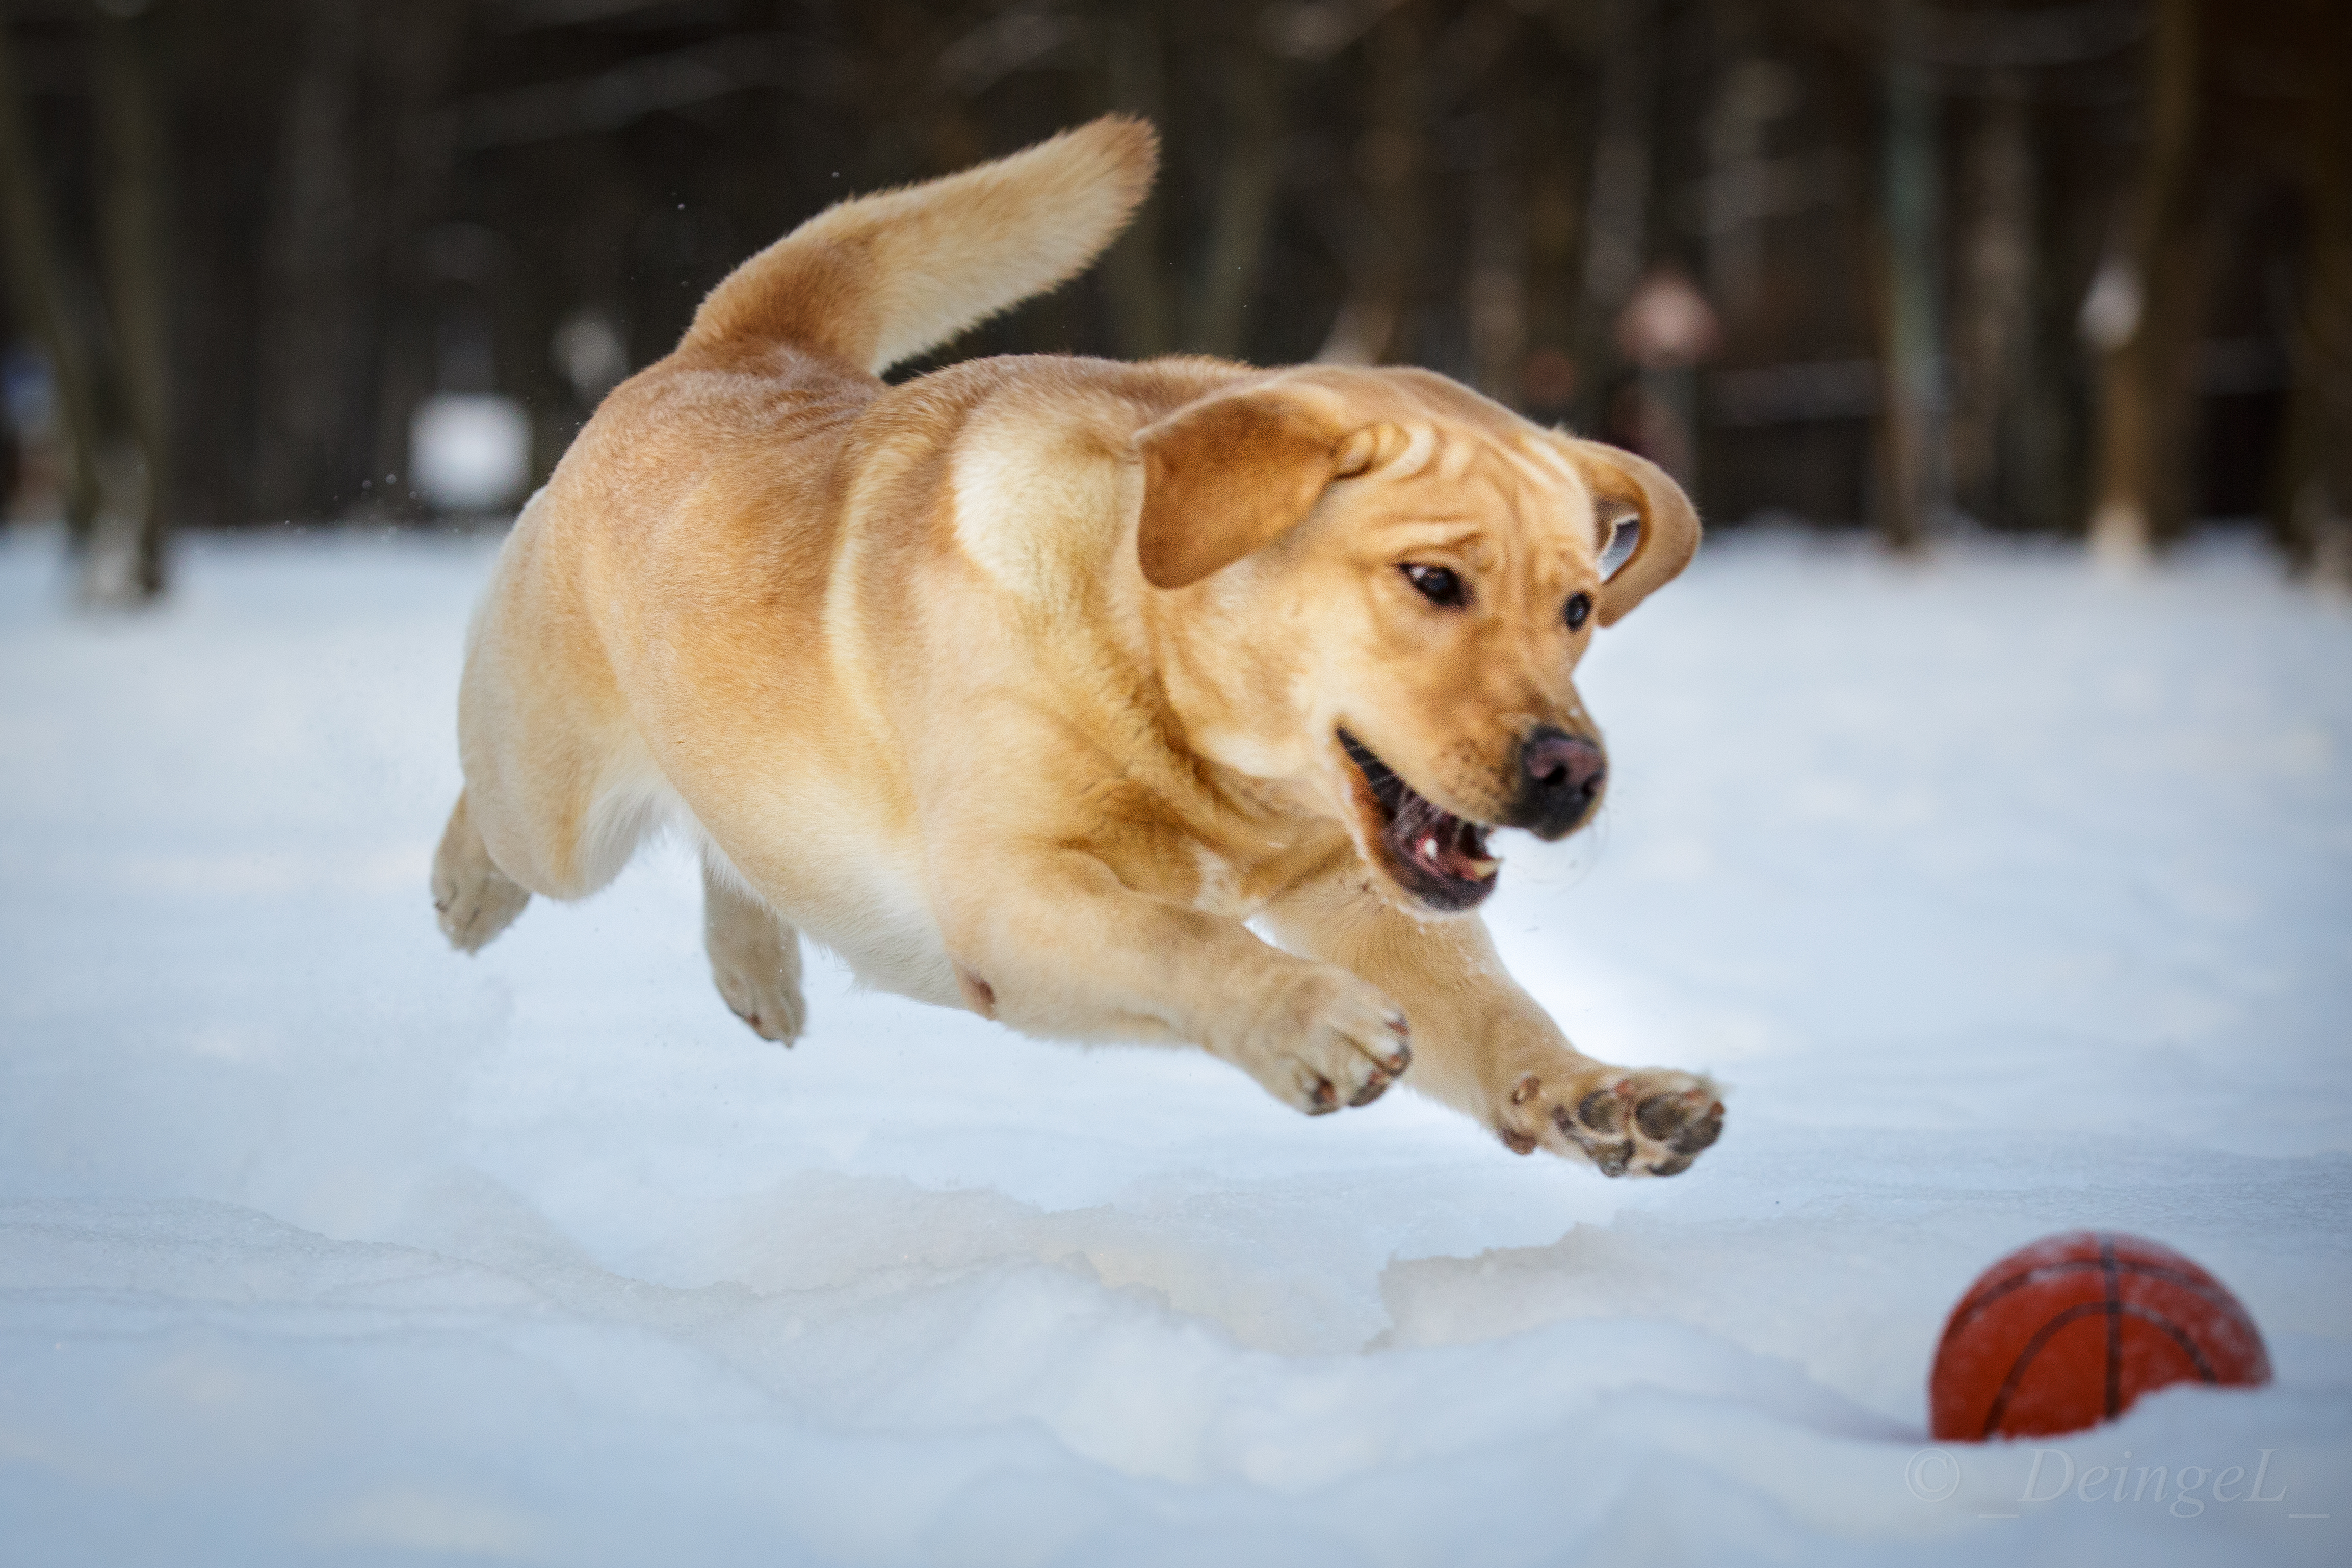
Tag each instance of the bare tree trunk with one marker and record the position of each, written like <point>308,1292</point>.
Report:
<point>1377,315</point>
<point>415,48</point>
<point>1133,35</point>
<point>112,404</point>
<point>312,252</point>
<point>1912,486</point>
<point>133,243</point>
<point>1752,91</point>
<point>1248,176</point>
<point>1618,211</point>
<point>1496,276</point>
<point>1994,342</point>
<point>37,280</point>
<point>2146,408</point>
<point>2313,503</point>
<point>1544,382</point>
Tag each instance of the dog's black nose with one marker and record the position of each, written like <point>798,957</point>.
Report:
<point>1561,776</point>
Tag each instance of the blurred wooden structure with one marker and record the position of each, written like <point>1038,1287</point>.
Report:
<point>1897,211</point>
<point>2238,218</point>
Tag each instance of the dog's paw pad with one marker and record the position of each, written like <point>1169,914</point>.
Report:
<point>1602,1111</point>
<point>1685,1122</point>
<point>1649,1123</point>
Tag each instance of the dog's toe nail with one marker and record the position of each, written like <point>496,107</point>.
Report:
<point>1374,1087</point>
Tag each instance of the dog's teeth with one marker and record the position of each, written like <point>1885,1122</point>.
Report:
<point>1482,869</point>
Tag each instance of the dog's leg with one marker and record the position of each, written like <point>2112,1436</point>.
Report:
<point>1057,946</point>
<point>755,957</point>
<point>473,899</point>
<point>1485,1048</point>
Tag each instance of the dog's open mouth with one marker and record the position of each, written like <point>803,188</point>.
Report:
<point>1437,856</point>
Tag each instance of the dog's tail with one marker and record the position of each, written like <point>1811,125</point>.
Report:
<point>880,278</point>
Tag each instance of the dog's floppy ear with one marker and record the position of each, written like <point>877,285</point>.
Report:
<point>1669,532</point>
<point>1233,471</point>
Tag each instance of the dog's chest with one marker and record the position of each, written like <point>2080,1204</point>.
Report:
<point>1239,881</point>
<point>1221,885</point>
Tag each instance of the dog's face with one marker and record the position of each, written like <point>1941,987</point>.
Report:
<point>1381,585</point>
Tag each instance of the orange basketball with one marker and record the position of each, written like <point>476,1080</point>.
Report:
<point>2067,1332</point>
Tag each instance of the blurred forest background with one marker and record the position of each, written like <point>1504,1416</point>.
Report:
<point>2069,266</point>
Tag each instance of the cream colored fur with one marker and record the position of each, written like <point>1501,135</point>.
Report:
<point>1020,685</point>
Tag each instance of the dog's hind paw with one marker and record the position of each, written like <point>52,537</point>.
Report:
<point>764,996</point>
<point>1646,1121</point>
<point>755,959</point>
<point>474,909</point>
<point>472,898</point>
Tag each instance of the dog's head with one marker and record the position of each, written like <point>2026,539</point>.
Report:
<point>1375,586</point>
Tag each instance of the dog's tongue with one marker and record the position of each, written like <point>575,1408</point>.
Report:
<point>1441,842</point>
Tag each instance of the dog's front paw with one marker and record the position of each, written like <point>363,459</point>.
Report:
<point>1646,1121</point>
<point>1326,1041</point>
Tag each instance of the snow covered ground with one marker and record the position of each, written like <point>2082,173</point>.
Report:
<point>2008,899</point>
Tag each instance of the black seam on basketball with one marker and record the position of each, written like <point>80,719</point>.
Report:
<point>2075,1313</point>
<point>2114,1329</point>
<point>2042,1337</point>
<point>1965,1312</point>
<point>2207,1289</point>
<point>2189,1346</point>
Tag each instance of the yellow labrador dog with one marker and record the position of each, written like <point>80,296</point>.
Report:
<point>1028,685</point>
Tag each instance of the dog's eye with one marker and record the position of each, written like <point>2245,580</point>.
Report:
<point>1580,606</point>
<point>1438,585</point>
